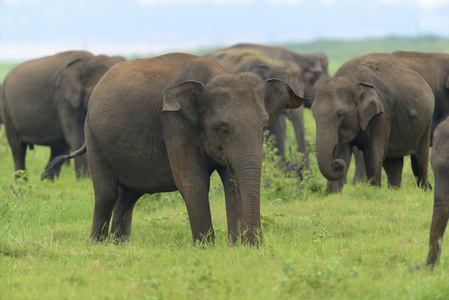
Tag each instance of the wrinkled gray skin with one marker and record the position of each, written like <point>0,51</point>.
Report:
<point>45,103</point>
<point>382,108</point>
<point>439,160</point>
<point>243,60</point>
<point>434,69</point>
<point>167,123</point>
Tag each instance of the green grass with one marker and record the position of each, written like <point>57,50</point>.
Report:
<point>358,244</point>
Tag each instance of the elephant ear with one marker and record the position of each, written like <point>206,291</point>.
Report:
<point>369,104</point>
<point>279,96</point>
<point>182,100</point>
<point>67,81</point>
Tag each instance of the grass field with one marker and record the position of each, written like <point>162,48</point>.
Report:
<point>359,244</point>
<point>356,245</point>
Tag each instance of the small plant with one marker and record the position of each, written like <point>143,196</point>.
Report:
<point>21,176</point>
<point>21,190</point>
<point>185,216</point>
<point>268,218</point>
<point>311,179</point>
<point>315,275</point>
<point>319,232</point>
<point>278,181</point>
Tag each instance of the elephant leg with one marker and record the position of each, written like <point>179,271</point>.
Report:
<point>105,190</point>
<point>359,173</point>
<point>196,197</point>
<point>335,186</point>
<point>18,148</point>
<point>72,123</point>
<point>438,226</point>
<point>440,165</point>
<point>419,164</point>
<point>297,118</point>
<point>278,131</point>
<point>193,181</point>
<point>375,152</point>
<point>122,214</point>
<point>19,153</point>
<point>373,170</point>
<point>233,206</point>
<point>106,195</point>
<point>55,151</point>
<point>393,168</point>
<point>420,171</point>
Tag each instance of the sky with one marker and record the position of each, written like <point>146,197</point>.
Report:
<point>34,28</point>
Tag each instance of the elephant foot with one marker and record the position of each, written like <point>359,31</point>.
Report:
<point>424,184</point>
<point>420,267</point>
<point>334,187</point>
<point>21,176</point>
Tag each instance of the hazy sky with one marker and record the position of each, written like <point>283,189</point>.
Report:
<point>33,28</point>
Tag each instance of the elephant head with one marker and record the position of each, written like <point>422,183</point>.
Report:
<point>67,79</point>
<point>341,109</point>
<point>287,71</point>
<point>228,115</point>
<point>96,67</point>
<point>77,76</point>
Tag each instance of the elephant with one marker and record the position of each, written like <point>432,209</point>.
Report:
<point>45,101</point>
<point>247,60</point>
<point>434,69</point>
<point>439,160</point>
<point>167,123</point>
<point>313,66</point>
<point>381,107</point>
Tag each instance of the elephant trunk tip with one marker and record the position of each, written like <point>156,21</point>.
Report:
<point>336,171</point>
<point>339,167</point>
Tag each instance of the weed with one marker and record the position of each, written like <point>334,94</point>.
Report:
<point>278,182</point>
<point>316,275</point>
<point>268,218</point>
<point>319,232</point>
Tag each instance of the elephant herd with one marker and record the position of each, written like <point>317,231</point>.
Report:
<point>167,123</point>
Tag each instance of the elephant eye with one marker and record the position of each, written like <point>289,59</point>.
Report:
<point>340,114</point>
<point>224,130</point>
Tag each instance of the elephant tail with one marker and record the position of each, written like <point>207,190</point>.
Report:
<point>59,160</point>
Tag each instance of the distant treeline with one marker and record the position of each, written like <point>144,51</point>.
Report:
<point>337,51</point>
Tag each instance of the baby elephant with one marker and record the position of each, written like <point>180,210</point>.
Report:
<point>167,123</point>
<point>383,108</point>
<point>439,160</point>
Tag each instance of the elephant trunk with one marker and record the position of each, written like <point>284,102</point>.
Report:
<point>332,168</point>
<point>247,172</point>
